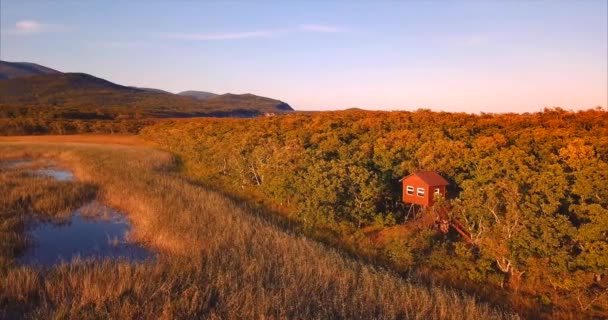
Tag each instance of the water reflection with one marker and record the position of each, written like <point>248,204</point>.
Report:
<point>59,175</point>
<point>93,231</point>
<point>82,237</point>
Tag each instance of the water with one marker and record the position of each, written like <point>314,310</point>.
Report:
<point>82,237</point>
<point>93,231</point>
<point>57,174</point>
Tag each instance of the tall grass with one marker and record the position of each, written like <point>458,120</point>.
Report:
<point>217,259</point>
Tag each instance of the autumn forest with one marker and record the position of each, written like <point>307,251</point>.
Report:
<point>530,190</point>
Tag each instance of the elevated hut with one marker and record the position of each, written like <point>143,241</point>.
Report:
<point>422,187</point>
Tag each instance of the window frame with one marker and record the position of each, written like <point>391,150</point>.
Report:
<point>419,193</point>
<point>409,190</point>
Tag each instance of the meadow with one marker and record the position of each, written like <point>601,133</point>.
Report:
<point>218,258</point>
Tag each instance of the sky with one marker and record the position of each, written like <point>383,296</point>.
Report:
<point>465,56</point>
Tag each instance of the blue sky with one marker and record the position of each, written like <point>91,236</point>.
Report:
<point>470,56</point>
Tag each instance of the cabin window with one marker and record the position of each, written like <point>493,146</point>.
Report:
<point>437,191</point>
<point>410,190</point>
<point>421,192</point>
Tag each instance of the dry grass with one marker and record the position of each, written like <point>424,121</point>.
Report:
<point>129,140</point>
<point>97,211</point>
<point>219,260</point>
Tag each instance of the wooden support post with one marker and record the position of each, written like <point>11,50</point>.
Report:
<point>458,227</point>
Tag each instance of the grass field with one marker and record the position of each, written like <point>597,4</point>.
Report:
<point>218,259</point>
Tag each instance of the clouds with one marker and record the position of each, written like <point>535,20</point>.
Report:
<point>29,27</point>
<point>271,33</point>
<point>321,28</point>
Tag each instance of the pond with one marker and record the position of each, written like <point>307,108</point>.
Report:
<point>94,231</point>
<point>84,237</point>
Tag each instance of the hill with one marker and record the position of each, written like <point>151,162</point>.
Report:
<point>197,94</point>
<point>83,96</point>
<point>11,70</point>
<point>152,90</point>
<point>250,101</point>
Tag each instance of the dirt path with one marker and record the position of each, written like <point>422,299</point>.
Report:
<point>130,140</point>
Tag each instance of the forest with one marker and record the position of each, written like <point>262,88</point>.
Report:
<point>530,190</point>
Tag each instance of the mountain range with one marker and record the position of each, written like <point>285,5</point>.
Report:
<point>28,88</point>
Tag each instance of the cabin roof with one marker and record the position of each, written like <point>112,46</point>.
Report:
<point>430,178</point>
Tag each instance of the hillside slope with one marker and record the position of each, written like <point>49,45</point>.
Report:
<point>11,70</point>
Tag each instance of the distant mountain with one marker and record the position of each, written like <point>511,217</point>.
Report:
<point>60,87</point>
<point>202,95</point>
<point>11,70</point>
<point>251,101</point>
<point>82,96</point>
<point>152,90</point>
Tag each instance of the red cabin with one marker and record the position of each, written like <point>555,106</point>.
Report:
<point>422,186</point>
